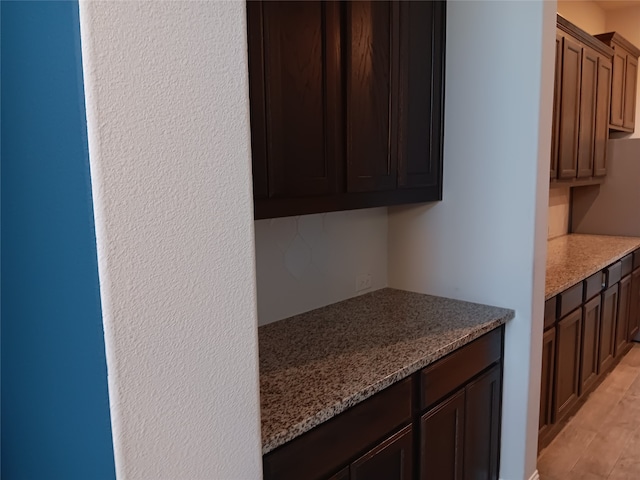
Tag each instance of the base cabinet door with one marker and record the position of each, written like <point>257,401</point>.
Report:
<point>591,313</point>
<point>566,386</point>
<point>442,440</point>
<point>546,384</point>
<point>608,327</point>
<point>622,326</point>
<point>482,426</point>
<point>634,311</point>
<point>391,460</point>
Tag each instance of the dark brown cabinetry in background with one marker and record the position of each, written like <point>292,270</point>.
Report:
<point>568,335</point>
<point>546,384</point>
<point>588,328</point>
<point>591,312</point>
<point>624,81</point>
<point>581,106</point>
<point>346,104</point>
<point>634,310</point>
<point>608,327</point>
<point>442,422</point>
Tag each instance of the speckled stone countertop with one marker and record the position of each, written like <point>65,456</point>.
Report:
<point>572,258</point>
<point>317,364</point>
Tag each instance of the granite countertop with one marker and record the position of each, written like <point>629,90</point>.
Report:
<point>572,258</point>
<point>316,365</point>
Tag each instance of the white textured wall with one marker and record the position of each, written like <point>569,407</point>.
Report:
<point>486,241</point>
<point>310,261</point>
<point>167,107</point>
<point>612,208</point>
<point>559,209</point>
<point>586,14</point>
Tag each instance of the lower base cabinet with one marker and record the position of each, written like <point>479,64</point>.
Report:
<point>442,433</point>
<point>608,327</point>
<point>461,435</point>
<point>391,460</point>
<point>567,379</point>
<point>588,328</point>
<point>546,384</point>
<point>442,423</point>
<point>634,311</point>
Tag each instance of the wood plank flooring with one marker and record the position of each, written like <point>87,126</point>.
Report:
<point>602,441</point>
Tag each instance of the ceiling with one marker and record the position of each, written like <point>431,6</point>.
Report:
<point>617,4</point>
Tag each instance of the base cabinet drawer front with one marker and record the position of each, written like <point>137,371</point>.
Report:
<point>455,369</point>
<point>391,460</point>
<point>546,383</point>
<point>570,299</point>
<point>591,314</point>
<point>442,440</point>
<point>594,285</point>
<point>608,327</point>
<point>328,447</point>
<point>566,385</point>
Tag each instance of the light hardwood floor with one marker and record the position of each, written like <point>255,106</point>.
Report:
<point>602,441</point>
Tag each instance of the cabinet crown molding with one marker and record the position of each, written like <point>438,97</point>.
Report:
<point>614,37</point>
<point>584,37</point>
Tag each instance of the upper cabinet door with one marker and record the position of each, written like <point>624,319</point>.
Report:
<point>421,100</point>
<point>372,43</point>
<point>294,53</point>
<point>602,117</point>
<point>570,109</point>
<point>586,135</point>
<point>631,86</point>
<point>617,86</point>
<point>553,173</point>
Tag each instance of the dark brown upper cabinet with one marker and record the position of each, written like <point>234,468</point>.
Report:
<point>553,171</point>
<point>346,104</point>
<point>581,107</point>
<point>624,81</point>
<point>603,100</point>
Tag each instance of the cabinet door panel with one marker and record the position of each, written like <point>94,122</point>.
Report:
<point>341,475</point>
<point>482,426</point>
<point>442,440</point>
<point>603,102</point>
<point>634,312</point>
<point>555,132</point>
<point>586,134</point>
<point>372,74</point>
<point>570,109</point>
<point>420,107</point>
<point>569,332</point>
<point>608,327</point>
<point>630,90</point>
<point>391,460</point>
<point>617,86</point>
<point>301,61</point>
<point>546,383</point>
<point>622,326</point>
<point>591,313</point>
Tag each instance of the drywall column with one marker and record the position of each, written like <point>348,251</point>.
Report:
<point>168,124</point>
<point>486,241</point>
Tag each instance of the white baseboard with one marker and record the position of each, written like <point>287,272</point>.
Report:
<point>535,476</point>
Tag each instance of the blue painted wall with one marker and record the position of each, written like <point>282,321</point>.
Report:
<point>55,410</point>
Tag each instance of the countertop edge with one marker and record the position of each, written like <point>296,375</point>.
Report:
<point>583,277</point>
<point>280,438</point>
